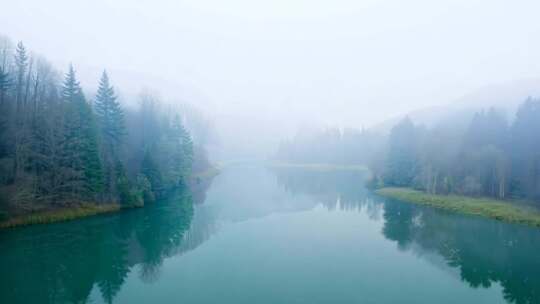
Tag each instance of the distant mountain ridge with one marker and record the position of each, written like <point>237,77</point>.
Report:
<point>503,97</point>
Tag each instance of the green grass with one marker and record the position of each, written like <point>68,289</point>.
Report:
<point>208,173</point>
<point>83,210</point>
<point>59,215</point>
<point>486,207</point>
<point>319,167</point>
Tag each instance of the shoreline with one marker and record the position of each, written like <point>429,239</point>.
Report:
<point>318,166</point>
<point>60,215</point>
<point>82,211</point>
<point>207,173</point>
<point>505,211</point>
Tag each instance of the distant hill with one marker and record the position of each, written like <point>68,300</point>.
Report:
<point>504,97</point>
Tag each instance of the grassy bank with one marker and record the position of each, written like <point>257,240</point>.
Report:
<point>76,212</point>
<point>499,210</point>
<point>208,173</point>
<point>319,167</point>
<point>59,215</point>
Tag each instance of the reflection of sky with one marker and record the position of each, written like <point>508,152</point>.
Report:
<point>312,255</point>
<point>238,195</point>
<point>258,239</point>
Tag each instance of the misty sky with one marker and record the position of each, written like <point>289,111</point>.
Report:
<point>349,63</point>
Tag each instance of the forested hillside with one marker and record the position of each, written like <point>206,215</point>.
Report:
<point>487,153</point>
<point>493,156</point>
<point>60,147</point>
<point>330,146</point>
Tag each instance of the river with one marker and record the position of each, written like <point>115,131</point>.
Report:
<point>261,235</point>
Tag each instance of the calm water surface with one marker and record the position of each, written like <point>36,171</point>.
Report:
<point>257,235</point>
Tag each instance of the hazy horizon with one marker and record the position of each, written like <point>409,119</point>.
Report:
<point>272,151</point>
<point>343,63</point>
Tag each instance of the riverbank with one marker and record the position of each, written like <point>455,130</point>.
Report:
<point>486,207</point>
<point>318,166</point>
<point>59,215</point>
<point>83,210</point>
<point>208,173</point>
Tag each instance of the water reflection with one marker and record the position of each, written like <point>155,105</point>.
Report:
<point>330,188</point>
<point>483,251</point>
<point>61,263</point>
<point>64,263</point>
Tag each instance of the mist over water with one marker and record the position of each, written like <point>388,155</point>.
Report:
<point>276,66</point>
<point>290,229</point>
<point>273,151</point>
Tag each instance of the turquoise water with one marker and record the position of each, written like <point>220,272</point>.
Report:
<point>257,235</point>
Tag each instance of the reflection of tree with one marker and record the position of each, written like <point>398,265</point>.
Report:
<point>398,223</point>
<point>203,226</point>
<point>327,187</point>
<point>113,268</point>
<point>61,263</point>
<point>162,229</point>
<point>198,188</point>
<point>485,251</point>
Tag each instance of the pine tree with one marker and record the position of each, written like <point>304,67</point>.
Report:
<point>71,88</point>
<point>180,152</point>
<point>401,163</point>
<point>109,112</point>
<point>187,149</point>
<point>4,84</point>
<point>21,132</point>
<point>484,165</point>
<point>112,130</point>
<point>21,62</point>
<point>151,171</point>
<point>93,170</point>
<point>525,147</point>
<point>80,146</point>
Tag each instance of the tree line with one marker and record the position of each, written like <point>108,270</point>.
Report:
<point>60,148</point>
<point>490,261</point>
<point>329,146</point>
<point>491,156</point>
<point>98,254</point>
<point>486,155</point>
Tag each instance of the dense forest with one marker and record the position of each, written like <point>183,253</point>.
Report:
<point>329,146</point>
<point>490,157</point>
<point>448,235</point>
<point>60,147</point>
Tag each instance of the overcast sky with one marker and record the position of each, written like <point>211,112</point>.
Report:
<point>342,62</point>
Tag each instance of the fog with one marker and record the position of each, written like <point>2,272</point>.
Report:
<point>273,66</point>
<point>354,145</point>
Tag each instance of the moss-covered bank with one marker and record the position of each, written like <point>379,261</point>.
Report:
<point>318,167</point>
<point>490,208</point>
<point>210,172</point>
<point>59,215</point>
<point>83,210</point>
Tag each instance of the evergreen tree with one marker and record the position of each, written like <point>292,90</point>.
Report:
<point>401,163</point>
<point>187,149</point>
<point>71,88</point>
<point>525,150</point>
<point>80,145</point>
<point>109,113</point>
<point>4,84</point>
<point>180,152</point>
<point>21,62</point>
<point>483,166</point>
<point>151,171</point>
<point>57,150</point>
<point>93,170</point>
<point>112,130</point>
